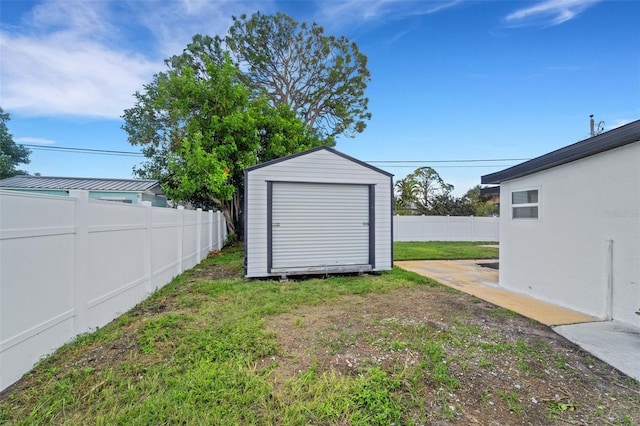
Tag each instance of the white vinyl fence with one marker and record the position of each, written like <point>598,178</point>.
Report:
<point>70,264</point>
<point>446,228</point>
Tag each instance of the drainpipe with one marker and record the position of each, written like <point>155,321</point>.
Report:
<point>610,279</point>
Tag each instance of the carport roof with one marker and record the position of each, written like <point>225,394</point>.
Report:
<point>89,184</point>
<point>612,139</point>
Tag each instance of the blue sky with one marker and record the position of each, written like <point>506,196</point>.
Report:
<point>451,80</point>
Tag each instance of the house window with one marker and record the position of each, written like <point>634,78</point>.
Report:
<point>524,204</point>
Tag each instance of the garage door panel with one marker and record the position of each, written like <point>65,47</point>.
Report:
<point>319,225</point>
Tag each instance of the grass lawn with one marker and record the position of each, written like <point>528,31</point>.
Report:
<point>443,250</point>
<point>212,348</point>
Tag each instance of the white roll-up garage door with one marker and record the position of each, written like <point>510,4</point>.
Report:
<point>319,225</point>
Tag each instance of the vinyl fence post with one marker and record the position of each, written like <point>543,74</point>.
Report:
<point>473,235</point>
<point>198,235</point>
<point>148,247</point>
<point>220,240</point>
<point>181,240</point>
<point>81,260</point>
<point>210,233</point>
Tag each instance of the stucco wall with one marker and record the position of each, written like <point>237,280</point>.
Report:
<point>563,256</point>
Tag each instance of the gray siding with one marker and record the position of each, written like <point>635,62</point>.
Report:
<point>320,166</point>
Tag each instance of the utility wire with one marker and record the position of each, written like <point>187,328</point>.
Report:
<point>84,150</point>
<point>388,163</point>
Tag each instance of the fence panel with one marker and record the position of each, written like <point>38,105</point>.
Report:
<point>70,264</point>
<point>446,228</point>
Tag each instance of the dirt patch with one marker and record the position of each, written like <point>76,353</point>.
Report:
<point>471,362</point>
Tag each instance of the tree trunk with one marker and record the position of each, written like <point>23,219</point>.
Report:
<point>232,213</point>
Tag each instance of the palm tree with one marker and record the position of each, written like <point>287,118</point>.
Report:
<point>406,196</point>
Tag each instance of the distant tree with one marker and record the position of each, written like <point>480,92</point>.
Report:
<point>200,126</point>
<point>428,185</point>
<point>322,78</point>
<point>406,192</point>
<point>481,205</point>
<point>445,204</point>
<point>424,192</point>
<point>11,154</point>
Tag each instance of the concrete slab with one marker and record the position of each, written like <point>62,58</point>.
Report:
<point>482,282</point>
<point>615,343</point>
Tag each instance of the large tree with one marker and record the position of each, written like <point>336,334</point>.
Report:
<point>200,126</point>
<point>321,77</point>
<point>424,192</point>
<point>11,154</point>
<point>421,190</point>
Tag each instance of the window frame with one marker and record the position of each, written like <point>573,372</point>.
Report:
<point>513,206</point>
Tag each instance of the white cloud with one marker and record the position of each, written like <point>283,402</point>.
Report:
<point>87,18</point>
<point>64,75</point>
<point>549,12</point>
<point>87,58</point>
<point>173,23</point>
<point>353,12</point>
<point>33,141</point>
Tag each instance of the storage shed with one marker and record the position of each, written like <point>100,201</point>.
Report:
<point>317,212</point>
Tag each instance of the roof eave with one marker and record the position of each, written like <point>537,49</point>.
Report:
<point>319,148</point>
<point>612,139</point>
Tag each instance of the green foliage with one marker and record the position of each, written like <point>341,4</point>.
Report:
<point>482,205</point>
<point>322,78</point>
<point>161,329</point>
<point>11,154</point>
<point>418,192</point>
<point>513,402</point>
<point>424,192</point>
<point>374,398</point>
<point>200,126</point>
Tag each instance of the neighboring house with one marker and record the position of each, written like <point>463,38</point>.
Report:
<point>133,191</point>
<point>570,225</point>
<point>317,212</point>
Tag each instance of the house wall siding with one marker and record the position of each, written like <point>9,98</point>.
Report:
<point>564,255</point>
<point>320,167</point>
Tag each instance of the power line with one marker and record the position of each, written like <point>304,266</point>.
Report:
<point>84,150</point>
<point>389,163</point>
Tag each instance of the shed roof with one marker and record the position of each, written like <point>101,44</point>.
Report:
<point>309,151</point>
<point>89,184</point>
<point>615,138</point>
